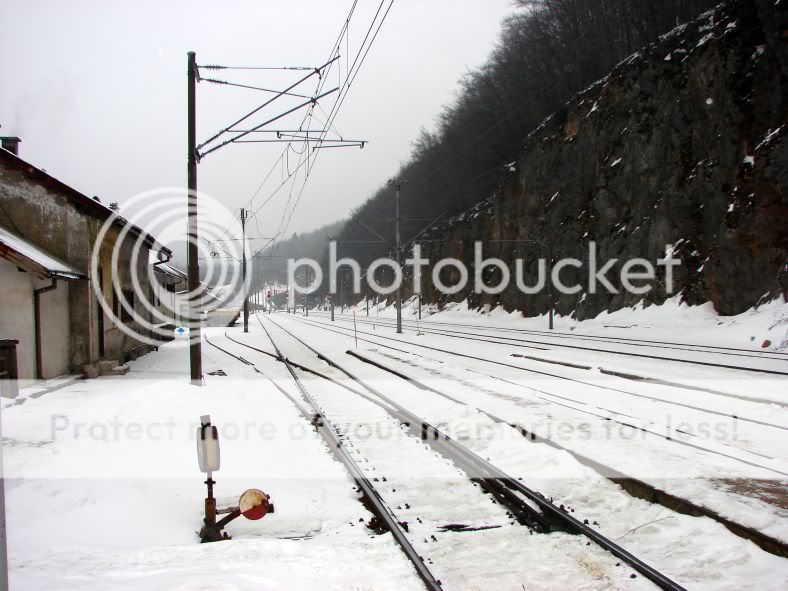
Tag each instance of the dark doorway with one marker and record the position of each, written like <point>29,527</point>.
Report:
<point>100,315</point>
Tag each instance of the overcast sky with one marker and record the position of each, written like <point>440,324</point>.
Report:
<point>97,91</point>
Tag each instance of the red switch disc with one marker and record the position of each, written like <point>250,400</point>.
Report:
<point>253,504</point>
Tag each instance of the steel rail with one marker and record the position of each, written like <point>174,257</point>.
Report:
<point>763,356</point>
<point>524,512</point>
<point>458,334</point>
<point>474,337</point>
<point>375,501</point>
<point>632,485</point>
<point>297,366</point>
<point>695,347</point>
<point>624,375</point>
<point>545,506</point>
<point>560,377</point>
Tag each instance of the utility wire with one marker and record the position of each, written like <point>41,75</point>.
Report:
<point>268,102</point>
<point>334,50</point>
<point>306,121</point>
<point>333,56</point>
<point>271,120</point>
<point>216,67</point>
<point>350,76</point>
<point>349,83</point>
<point>340,97</point>
<point>228,83</point>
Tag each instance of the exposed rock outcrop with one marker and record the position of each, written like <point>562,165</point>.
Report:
<point>683,143</point>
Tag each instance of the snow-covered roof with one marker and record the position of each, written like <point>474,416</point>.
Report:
<point>12,247</point>
<point>170,270</point>
<point>208,294</point>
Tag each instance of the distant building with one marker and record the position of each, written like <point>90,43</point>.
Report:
<point>170,295</point>
<point>168,288</point>
<point>47,236</point>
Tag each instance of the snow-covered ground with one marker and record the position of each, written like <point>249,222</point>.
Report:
<point>103,490</point>
<point>672,321</point>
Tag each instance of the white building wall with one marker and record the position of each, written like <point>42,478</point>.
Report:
<point>17,321</point>
<point>55,329</point>
<point>16,316</point>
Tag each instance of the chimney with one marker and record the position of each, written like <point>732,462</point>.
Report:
<point>11,143</point>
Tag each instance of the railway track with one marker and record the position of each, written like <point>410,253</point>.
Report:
<point>547,344</point>
<point>527,507</point>
<point>628,375</point>
<point>552,517</point>
<point>635,486</point>
<point>333,438</point>
<point>738,417</point>
<point>630,341</point>
<point>632,485</point>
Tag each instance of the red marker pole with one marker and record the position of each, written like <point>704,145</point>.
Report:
<point>355,332</point>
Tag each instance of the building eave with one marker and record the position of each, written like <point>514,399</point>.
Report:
<point>79,200</point>
<point>35,260</point>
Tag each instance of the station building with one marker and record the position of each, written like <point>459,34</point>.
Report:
<point>48,233</point>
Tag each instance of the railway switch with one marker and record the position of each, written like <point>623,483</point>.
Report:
<point>253,504</point>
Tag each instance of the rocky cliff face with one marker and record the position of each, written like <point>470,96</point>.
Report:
<point>683,143</point>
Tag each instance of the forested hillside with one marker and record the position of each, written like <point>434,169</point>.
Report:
<point>682,144</point>
<point>547,51</point>
<point>270,265</point>
<point>605,121</point>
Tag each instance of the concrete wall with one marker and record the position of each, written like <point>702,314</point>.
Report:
<point>44,217</point>
<point>116,340</point>
<point>52,222</point>
<point>55,223</point>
